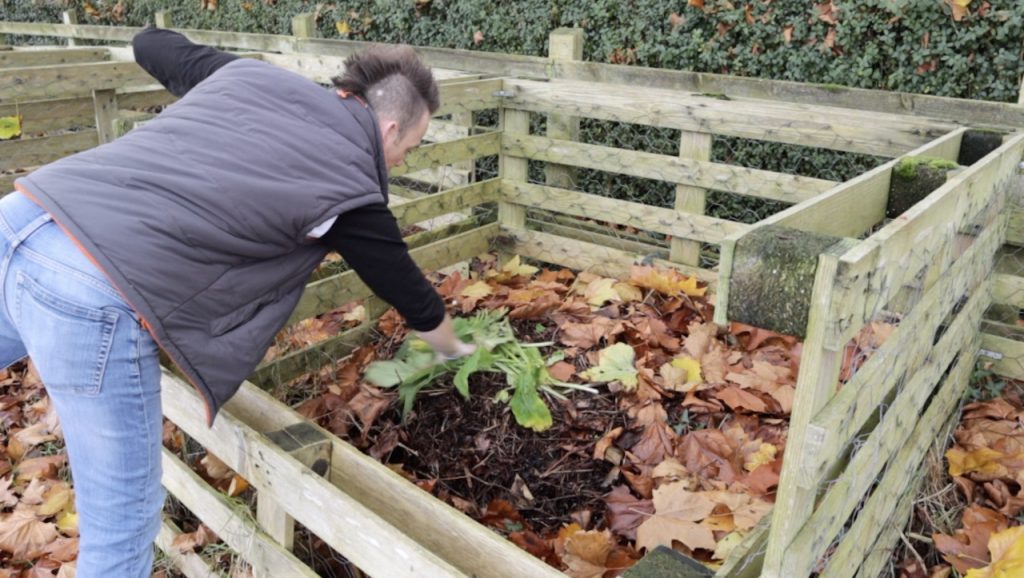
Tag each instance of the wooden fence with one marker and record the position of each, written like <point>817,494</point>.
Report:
<point>855,440</point>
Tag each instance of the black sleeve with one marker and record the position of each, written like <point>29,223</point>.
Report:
<point>175,61</point>
<point>371,243</point>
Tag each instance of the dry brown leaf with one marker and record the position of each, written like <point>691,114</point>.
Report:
<point>188,542</point>
<point>586,553</point>
<point>677,513</point>
<point>740,399</point>
<point>626,512</point>
<point>968,547</point>
<point>215,468</point>
<point>22,532</point>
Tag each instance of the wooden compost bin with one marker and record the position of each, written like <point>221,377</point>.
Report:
<point>839,507</point>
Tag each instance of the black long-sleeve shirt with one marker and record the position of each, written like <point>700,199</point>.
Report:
<point>368,238</point>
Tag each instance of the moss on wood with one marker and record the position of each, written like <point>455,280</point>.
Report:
<point>977,143</point>
<point>773,276</point>
<point>912,180</point>
<point>664,562</point>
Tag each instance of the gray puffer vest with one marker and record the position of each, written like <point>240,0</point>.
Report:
<point>201,216</point>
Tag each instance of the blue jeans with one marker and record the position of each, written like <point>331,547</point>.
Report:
<point>102,373</point>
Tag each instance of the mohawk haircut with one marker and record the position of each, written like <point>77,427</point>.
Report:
<point>393,80</point>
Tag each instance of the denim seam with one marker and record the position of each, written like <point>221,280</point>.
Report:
<point>137,380</point>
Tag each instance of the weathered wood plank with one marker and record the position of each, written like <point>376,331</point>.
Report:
<point>352,529</point>
<point>666,221</point>
<point>41,82</point>
<point>716,176</point>
<point>1008,290</point>
<point>583,231</point>
<point>446,153</point>
<point>105,107</point>
<point>855,206</point>
<point>188,563</point>
<point>878,511</point>
<point>693,200</point>
<point>513,169</point>
<point>1012,363</point>
<point>807,125</point>
<point>906,348</point>
<point>450,201</point>
<point>875,271</point>
<point>844,493</point>
<point>1015,231</point>
<point>819,372</point>
<point>583,256</point>
<point>745,560</point>
<point>563,44</point>
<point>955,110</point>
<point>440,528</point>
<point>322,68</point>
<point>33,152</point>
<point>216,511</point>
<point>7,182</point>
<point>22,58</point>
<point>335,291</point>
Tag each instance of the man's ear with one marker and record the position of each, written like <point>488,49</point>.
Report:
<point>389,130</point>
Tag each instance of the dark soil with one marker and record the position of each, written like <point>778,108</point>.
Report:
<point>476,452</point>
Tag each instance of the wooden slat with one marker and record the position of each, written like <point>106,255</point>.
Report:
<point>215,510</point>
<point>583,256</point>
<point>513,169</point>
<point>22,58</point>
<point>877,513</point>
<point>909,345</point>
<point>41,82</point>
<point>446,153</point>
<point>875,271</point>
<point>345,524</point>
<point>322,68</point>
<point>973,112</point>
<point>891,434</point>
<point>34,152</point>
<point>716,176</point>
<point>744,561</point>
<point>188,563</point>
<point>856,205</point>
<point>1008,290</point>
<point>956,110</point>
<point>7,182</point>
<point>460,199</point>
<point>639,215</point>
<point>1015,232</point>
<point>819,372</point>
<point>1012,363</point>
<point>440,528</point>
<point>802,124</point>
<point>335,291</point>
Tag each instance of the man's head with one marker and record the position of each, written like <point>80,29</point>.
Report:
<point>401,91</point>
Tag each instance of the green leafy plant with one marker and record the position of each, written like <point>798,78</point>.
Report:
<point>416,366</point>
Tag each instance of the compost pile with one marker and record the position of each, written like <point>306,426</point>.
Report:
<point>599,418</point>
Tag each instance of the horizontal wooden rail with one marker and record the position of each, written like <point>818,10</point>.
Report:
<point>955,110</point>
<point>20,58</point>
<point>666,221</point>
<point>267,557</point>
<point>872,273</point>
<point>1011,351</point>
<point>672,169</point>
<point>459,199</point>
<point>64,113</point>
<point>332,292</point>
<point>7,182</point>
<point>323,68</point>
<point>909,345</point>
<point>802,124</point>
<point>891,434</point>
<point>438,527</point>
<point>42,82</point>
<point>352,529</point>
<point>584,256</point>
<point>446,153</point>
<point>188,563</point>
<point>881,511</point>
<point>32,152</point>
<point>1008,290</point>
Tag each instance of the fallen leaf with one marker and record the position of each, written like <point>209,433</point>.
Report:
<point>479,290</point>
<point>189,541</point>
<point>342,27</point>
<point>615,364</point>
<point>677,513</point>
<point>764,455</point>
<point>727,544</point>
<point>960,8</point>
<point>562,371</point>
<point>739,399</point>
<point>22,532</point>
<point>667,281</point>
<point>600,292</point>
<point>626,512</point>
<point>215,468</point>
<point>1006,549</point>
<point>586,553</point>
<point>968,547</point>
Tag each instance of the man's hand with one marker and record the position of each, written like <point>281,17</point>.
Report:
<point>445,343</point>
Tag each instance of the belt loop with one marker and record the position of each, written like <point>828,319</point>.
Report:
<point>26,231</point>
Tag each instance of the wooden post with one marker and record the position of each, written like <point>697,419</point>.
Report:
<point>308,445</point>
<point>563,44</point>
<point>162,19</point>
<point>465,118</point>
<point>513,169</point>
<point>697,146</point>
<point>70,17</point>
<point>105,105</point>
<point>304,26</point>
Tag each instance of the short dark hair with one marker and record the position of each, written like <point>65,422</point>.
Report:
<point>394,81</point>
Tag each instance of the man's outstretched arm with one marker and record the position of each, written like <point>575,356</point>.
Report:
<point>175,61</point>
